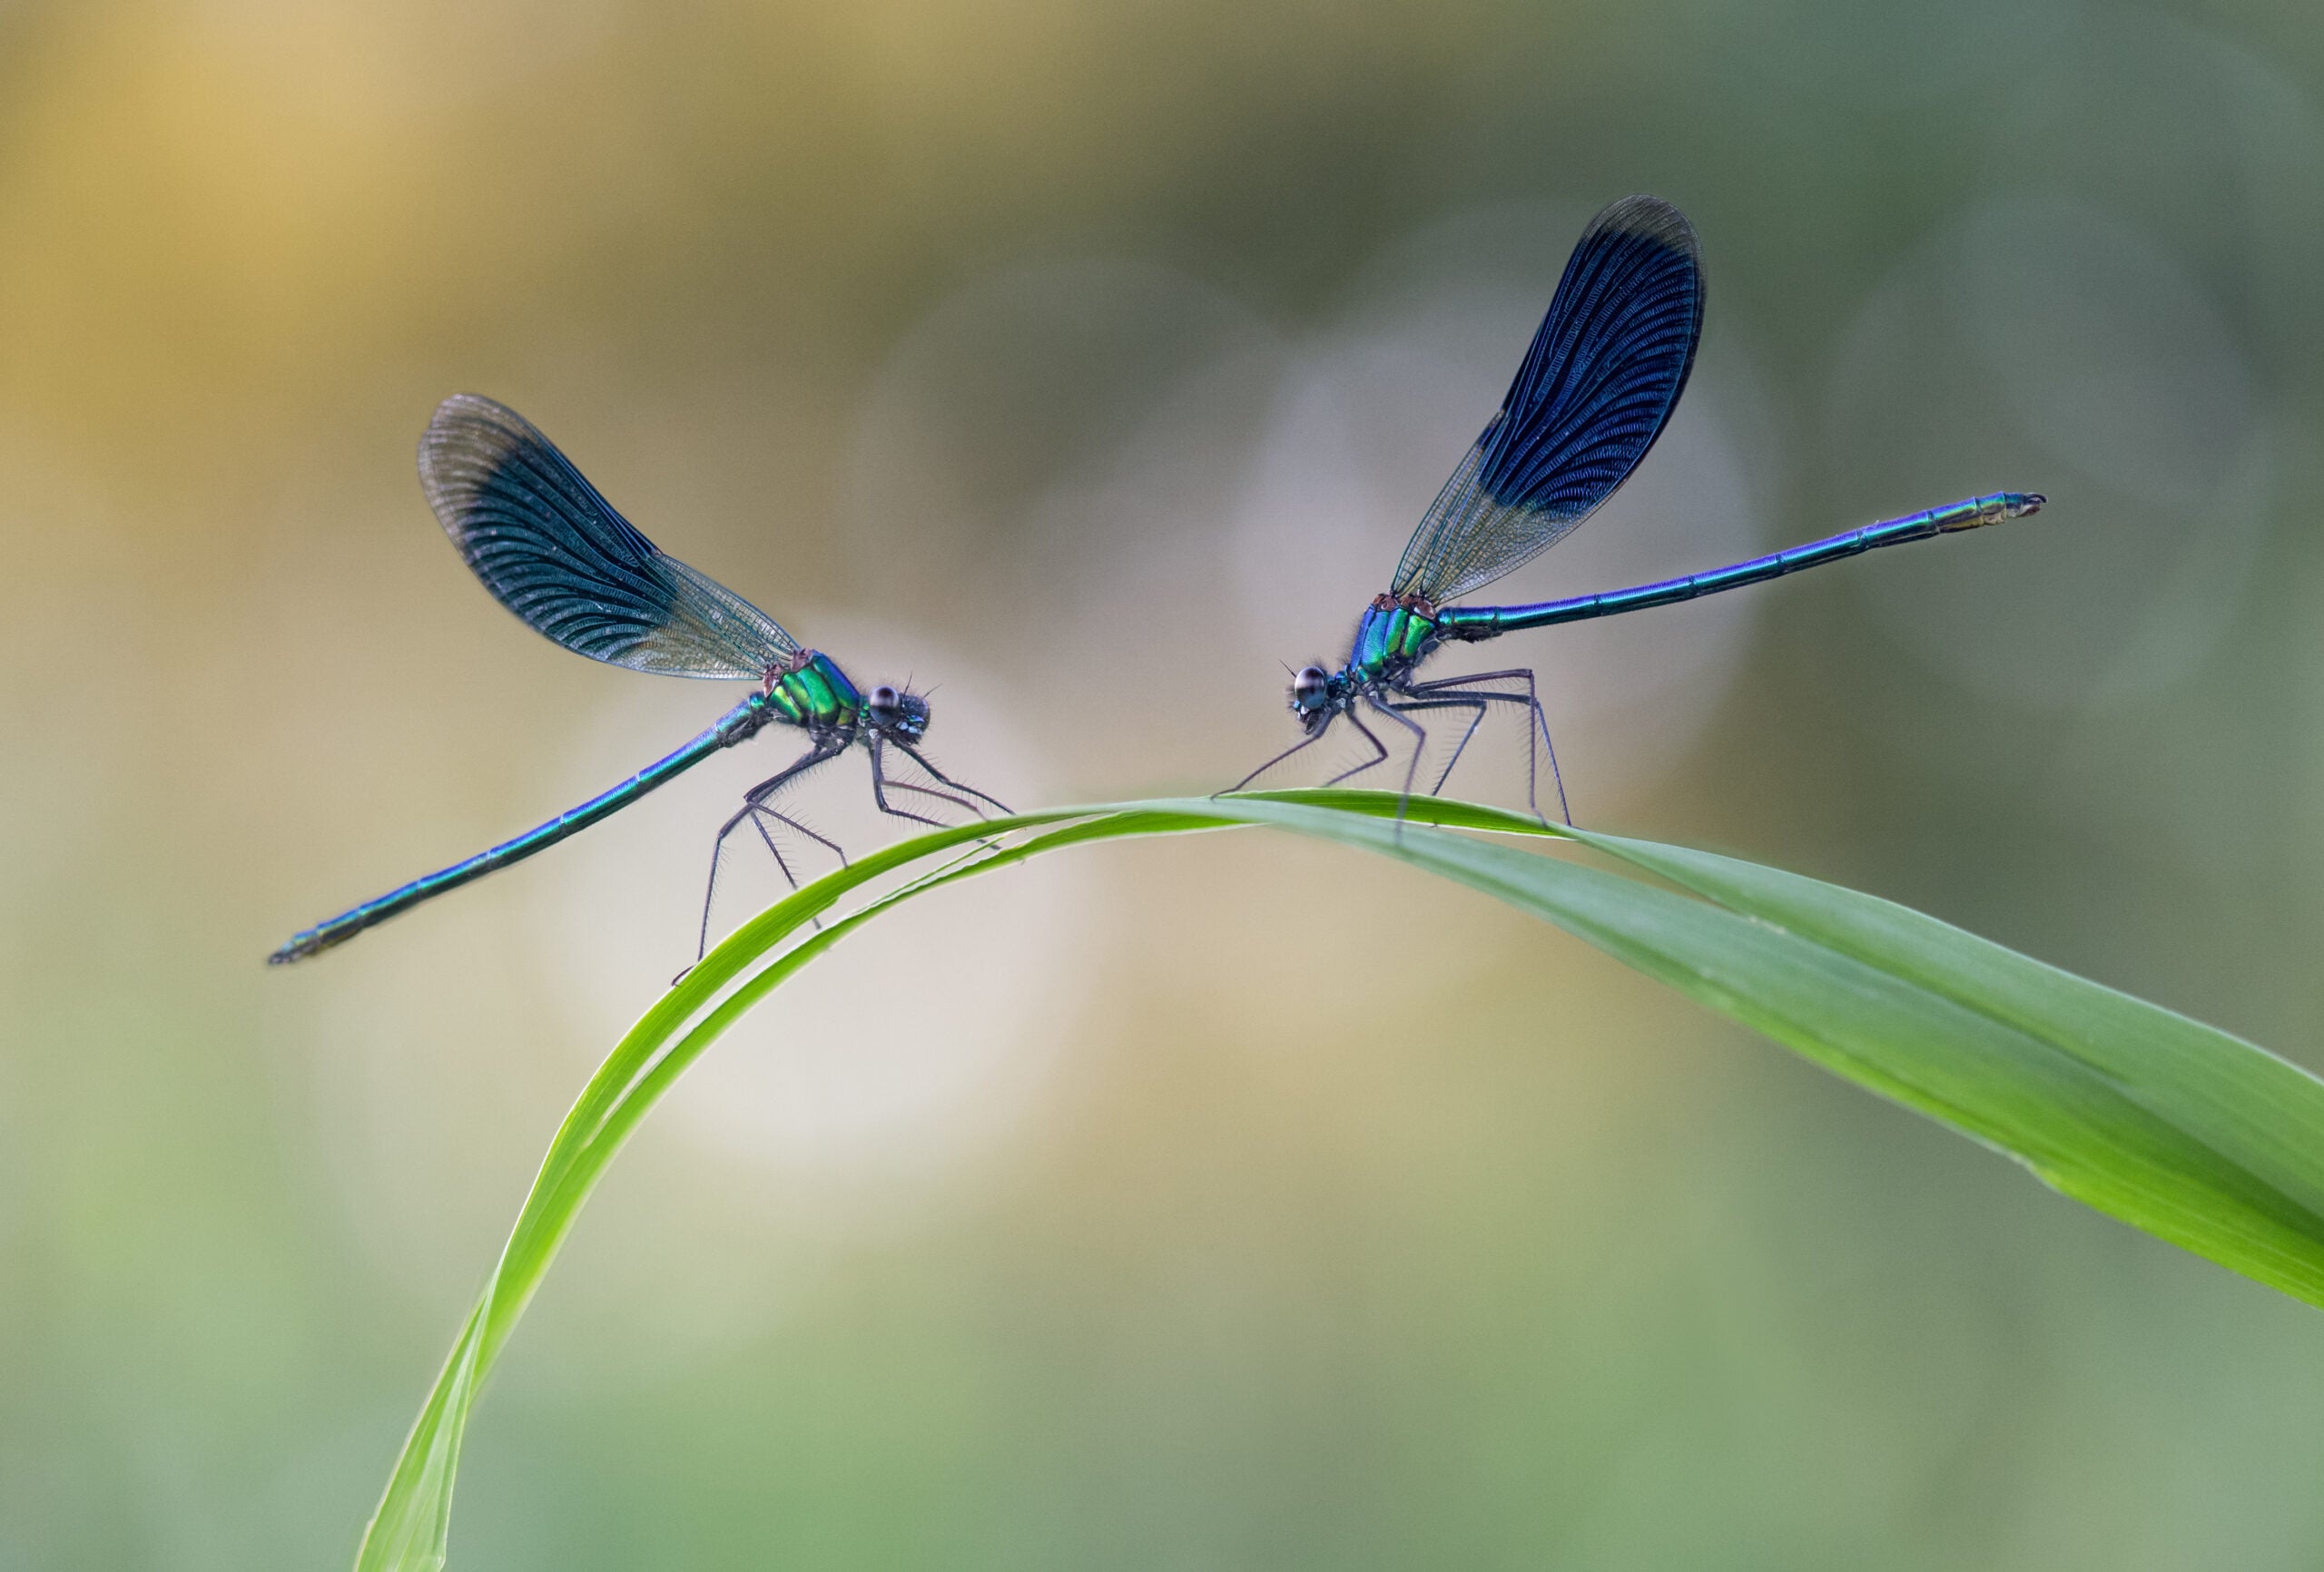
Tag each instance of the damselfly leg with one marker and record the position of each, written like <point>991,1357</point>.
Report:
<point>882,780</point>
<point>917,757</point>
<point>1309,741</point>
<point>755,806</point>
<point>1379,752</point>
<point>1468,693</point>
<point>1411,767</point>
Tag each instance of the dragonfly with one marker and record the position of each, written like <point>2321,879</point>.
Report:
<point>554,551</point>
<point>1598,384</point>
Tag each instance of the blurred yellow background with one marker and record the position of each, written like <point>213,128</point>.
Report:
<point>1219,1202</point>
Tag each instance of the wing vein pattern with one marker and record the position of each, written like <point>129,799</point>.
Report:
<point>553,551</point>
<point>1599,383</point>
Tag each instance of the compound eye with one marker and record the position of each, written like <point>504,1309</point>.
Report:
<point>884,700</point>
<point>1308,687</point>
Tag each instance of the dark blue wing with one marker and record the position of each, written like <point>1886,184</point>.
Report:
<point>1597,385</point>
<point>553,551</point>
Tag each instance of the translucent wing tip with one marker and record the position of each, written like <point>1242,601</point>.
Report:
<point>467,433</point>
<point>1650,218</point>
<point>475,403</point>
<point>474,408</point>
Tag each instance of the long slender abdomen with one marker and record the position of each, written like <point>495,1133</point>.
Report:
<point>737,723</point>
<point>1473,622</point>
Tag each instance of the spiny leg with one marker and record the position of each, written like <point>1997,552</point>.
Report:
<point>758,822</point>
<point>880,784</point>
<point>1461,747</point>
<point>1412,770</point>
<point>753,803</point>
<point>1379,752</point>
<point>833,847</point>
<point>1475,704</point>
<point>1446,699</point>
<point>757,813</point>
<point>1444,687</point>
<point>880,781</point>
<point>920,759</point>
<point>1309,741</point>
<point>752,811</point>
<point>898,783</point>
<point>717,854</point>
<point>1456,687</point>
<point>1441,698</point>
<point>961,802</point>
<point>762,813</point>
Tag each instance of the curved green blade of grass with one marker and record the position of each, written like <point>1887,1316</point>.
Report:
<point>2191,1135</point>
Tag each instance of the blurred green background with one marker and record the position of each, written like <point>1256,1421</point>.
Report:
<point>1222,1202</point>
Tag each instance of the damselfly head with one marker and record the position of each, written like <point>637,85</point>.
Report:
<point>891,709</point>
<point>1311,692</point>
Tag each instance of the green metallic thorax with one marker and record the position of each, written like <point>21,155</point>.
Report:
<point>815,695</point>
<point>1393,635</point>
